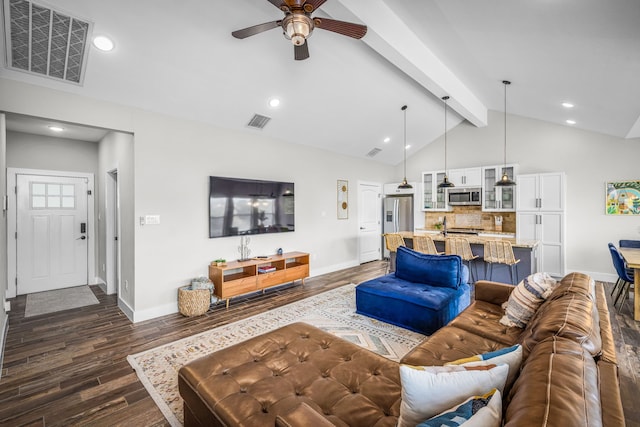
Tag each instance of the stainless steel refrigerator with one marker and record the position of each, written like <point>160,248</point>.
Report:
<point>397,215</point>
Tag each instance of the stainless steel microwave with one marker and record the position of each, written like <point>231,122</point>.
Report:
<point>464,196</point>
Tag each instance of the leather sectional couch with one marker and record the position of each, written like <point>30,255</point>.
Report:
<point>302,376</point>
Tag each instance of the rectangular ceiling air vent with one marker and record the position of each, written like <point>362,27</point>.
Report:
<point>258,121</point>
<point>373,152</point>
<point>45,42</point>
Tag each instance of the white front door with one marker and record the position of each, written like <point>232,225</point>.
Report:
<point>369,214</point>
<point>52,232</point>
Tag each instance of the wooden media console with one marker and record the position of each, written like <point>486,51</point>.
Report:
<point>243,277</point>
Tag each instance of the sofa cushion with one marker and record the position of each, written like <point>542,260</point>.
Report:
<point>558,386</point>
<point>435,270</point>
<point>449,344</point>
<point>482,318</point>
<point>430,390</point>
<point>526,298</point>
<point>476,411</point>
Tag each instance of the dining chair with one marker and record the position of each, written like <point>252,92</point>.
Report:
<point>500,252</point>
<point>425,245</point>
<point>393,241</point>
<point>624,279</point>
<point>624,243</point>
<point>619,282</point>
<point>461,247</point>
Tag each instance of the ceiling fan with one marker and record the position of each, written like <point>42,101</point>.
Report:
<point>298,25</point>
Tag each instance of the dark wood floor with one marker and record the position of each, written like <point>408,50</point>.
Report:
<point>70,368</point>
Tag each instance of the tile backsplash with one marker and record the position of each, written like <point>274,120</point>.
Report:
<point>472,217</point>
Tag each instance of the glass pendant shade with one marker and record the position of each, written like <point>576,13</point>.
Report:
<point>445,182</point>
<point>298,29</point>
<point>505,181</point>
<point>404,184</point>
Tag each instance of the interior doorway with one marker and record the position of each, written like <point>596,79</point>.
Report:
<point>369,224</point>
<point>112,210</point>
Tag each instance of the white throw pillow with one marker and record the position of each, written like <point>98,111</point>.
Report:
<point>430,390</point>
<point>512,356</point>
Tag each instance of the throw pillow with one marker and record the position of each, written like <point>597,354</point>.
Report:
<point>477,411</point>
<point>526,298</point>
<point>512,356</point>
<point>430,390</point>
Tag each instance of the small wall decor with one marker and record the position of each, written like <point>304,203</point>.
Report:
<point>623,198</point>
<point>343,199</point>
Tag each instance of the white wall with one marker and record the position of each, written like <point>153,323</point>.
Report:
<point>172,160</point>
<point>589,160</point>
<point>3,232</point>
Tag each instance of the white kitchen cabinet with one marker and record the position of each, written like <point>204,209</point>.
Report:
<point>469,177</point>
<point>540,216</point>
<point>544,191</point>
<point>433,198</point>
<point>495,198</point>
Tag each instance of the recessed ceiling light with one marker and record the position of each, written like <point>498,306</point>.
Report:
<point>387,139</point>
<point>567,105</point>
<point>571,122</point>
<point>406,147</point>
<point>274,102</point>
<point>103,43</point>
<point>56,128</point>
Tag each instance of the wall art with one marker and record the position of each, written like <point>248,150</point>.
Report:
<point>623,198</point>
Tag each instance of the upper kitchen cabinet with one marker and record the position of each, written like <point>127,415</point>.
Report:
<point>541,192</point>
<point>433,197</point>
<point>494,198</point>
<point>470,177</point>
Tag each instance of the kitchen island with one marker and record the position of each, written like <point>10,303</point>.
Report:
<point>524,250</point>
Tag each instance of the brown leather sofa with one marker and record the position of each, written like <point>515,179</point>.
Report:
<point>302,376</point>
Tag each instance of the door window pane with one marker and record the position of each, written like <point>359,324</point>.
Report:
<point>52,196</point>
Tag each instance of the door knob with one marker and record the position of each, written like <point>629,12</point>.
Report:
<point>362,228</point>
<point>81,238</point>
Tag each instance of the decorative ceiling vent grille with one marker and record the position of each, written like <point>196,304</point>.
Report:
<point>374,152</point>
<point>258,121</point>
<point>45,42</point>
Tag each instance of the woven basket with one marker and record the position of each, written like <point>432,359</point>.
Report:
<point>193,302</point>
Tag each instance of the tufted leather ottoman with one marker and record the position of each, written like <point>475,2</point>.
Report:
<point>289,371</point>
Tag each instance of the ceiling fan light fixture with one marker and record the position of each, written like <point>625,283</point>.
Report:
<point>297,27</point>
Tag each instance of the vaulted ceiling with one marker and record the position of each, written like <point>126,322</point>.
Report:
<point>179,58</point>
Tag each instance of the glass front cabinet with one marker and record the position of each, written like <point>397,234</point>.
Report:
<point>434,198</point>
<point>498,198</point>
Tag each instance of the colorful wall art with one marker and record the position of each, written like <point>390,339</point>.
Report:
<point>623,198</point>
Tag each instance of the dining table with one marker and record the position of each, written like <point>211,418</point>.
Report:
<point>632,257</point>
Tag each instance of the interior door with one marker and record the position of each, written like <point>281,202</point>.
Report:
<point>52,232</point>
<point>369,213</point>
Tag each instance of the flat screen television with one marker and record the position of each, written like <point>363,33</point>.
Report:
<point>248,206</point>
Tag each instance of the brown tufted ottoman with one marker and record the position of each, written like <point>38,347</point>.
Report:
<point>290,376</point>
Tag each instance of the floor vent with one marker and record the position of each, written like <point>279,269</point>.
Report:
<point>258,121</point>
<point>45,42</point>
<point>374,152</point>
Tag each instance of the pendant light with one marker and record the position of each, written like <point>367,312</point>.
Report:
<point>505,181</point>
<point>445,182</point>
<point>405,185</point>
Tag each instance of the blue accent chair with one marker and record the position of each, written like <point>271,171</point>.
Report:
<point>625,280</point>
<point>424,293</point>
<point>624,243</point>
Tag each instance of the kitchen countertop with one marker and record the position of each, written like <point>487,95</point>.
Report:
<point>437,236</point>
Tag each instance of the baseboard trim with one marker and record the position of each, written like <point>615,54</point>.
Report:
<point>332,268</point>
<point>126,309</point>
<point>3,339</point>
<point>153,312</point>
<point>601,277</point>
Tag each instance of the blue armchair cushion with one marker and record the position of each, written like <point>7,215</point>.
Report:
<point>436,270</point>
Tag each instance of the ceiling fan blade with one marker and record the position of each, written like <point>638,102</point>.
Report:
<point>315,3</point>
<point>277,3</point>
<point>356,31</point>
<point>256,29</point>
<point>301,52</point>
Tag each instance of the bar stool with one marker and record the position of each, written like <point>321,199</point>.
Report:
<point>500,252</point>
<point>461,247</point>
<point>393,241</point>
<point>425,245</point>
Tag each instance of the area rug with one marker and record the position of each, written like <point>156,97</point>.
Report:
<point>57,300</point>
<point>332,311</point>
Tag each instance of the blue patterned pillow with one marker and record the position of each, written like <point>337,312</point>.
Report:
<point>479,411</point>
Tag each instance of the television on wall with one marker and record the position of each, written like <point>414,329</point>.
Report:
<point>249,206</point>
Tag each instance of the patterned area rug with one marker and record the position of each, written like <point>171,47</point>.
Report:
<point>333,311</point>
<point>58,300</point>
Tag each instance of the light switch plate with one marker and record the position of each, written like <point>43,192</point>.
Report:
<point>152,219</point>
